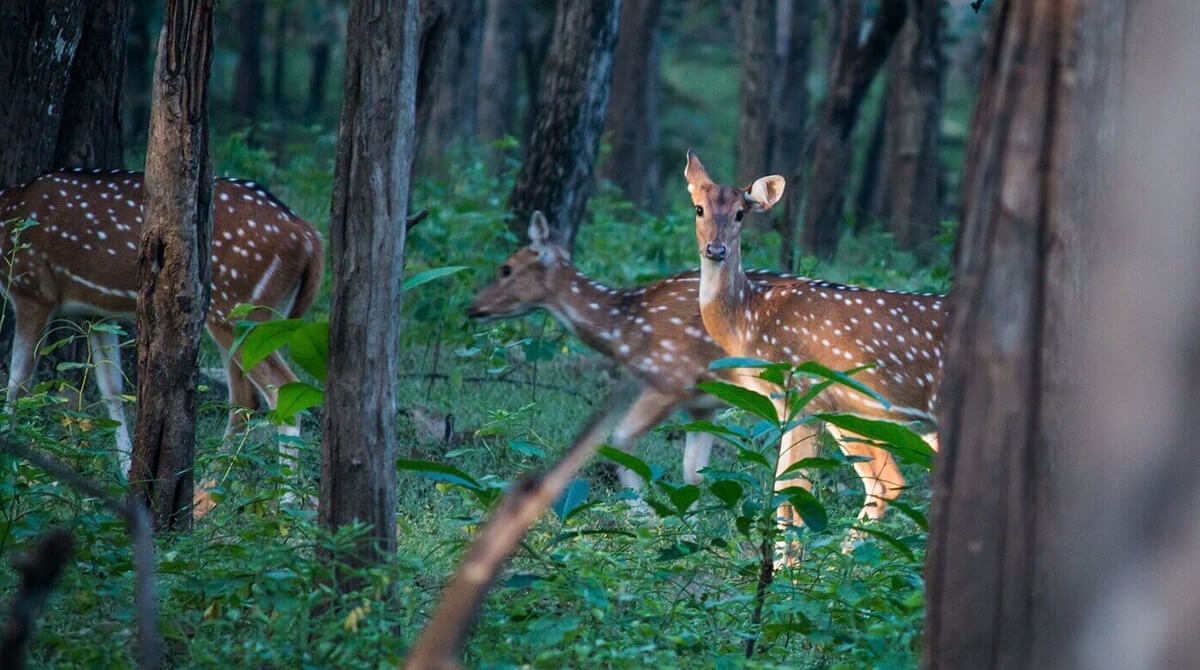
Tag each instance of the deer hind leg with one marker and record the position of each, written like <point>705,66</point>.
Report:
<point>697,450</point>
<point>646,411</point>
<point>267,376</point>
<point>796,445</point>
<point>30,321</point>
<point>106,358</point>
<point>881,477</point>
<point>242,395</point>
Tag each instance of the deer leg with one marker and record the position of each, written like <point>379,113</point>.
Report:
<point>881,477</point>
<point>796,445</point>
<point>645,413</point>
<point>30,322</point>
<point>106,357</point>
<point>697,450</point>
<point>242,396</point>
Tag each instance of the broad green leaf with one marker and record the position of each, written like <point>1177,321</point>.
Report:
<point>629,461</point>
<point>807,506</point>
<point>526,449</point>
<point>818,370</point>
<point>261,339</point>
<point>892,541</point>
<point>309,347</point>
<point>895,438</point>
<point>727,491</point>
<point>429,275</point>
<point>812,463</point>
<point>295,397</point>
<point>682,497</point>
<point>440,472</point>
<point>743,362</point>
<point>572,497</point>
<point>742,398</point>
<point>911,512</point>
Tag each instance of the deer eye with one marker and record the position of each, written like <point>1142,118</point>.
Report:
<point>740,214</point>
<point>505,270</point>
<point>699,210</point>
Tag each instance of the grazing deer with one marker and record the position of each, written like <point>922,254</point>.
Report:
<point>80,258</point>
<point>654,331</point>
<point>839,326</point>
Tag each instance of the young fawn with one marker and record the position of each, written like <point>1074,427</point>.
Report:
<point>653,331</point>
<point>841,327</point>
<point>80,258</point>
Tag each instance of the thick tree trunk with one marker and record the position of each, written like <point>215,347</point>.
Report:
<point>556,175</point>
<point>448,87</point>
<point>852,69</point>
<point>909,199</point>
<point>370,197</point>
<point>633,110</point>
<point>248,80</point>
<point>90,133</point>
<point>35,64</point>
<point>794,34</point>
<point>173,265</point>
<point>498,62</point>
<point>759,89</point>
<point>1035,168</point>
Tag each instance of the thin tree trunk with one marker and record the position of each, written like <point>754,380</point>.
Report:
<point>794,34</point>
<point>173,265</point>
<point>320,54</point>
<point>852,69</point>
<point>633,110</point>
<point>498,64</point>
<point>138,71</point>
<point>1038,149</point>
<point>370,197</point>
<point>758,93</point>
<point>248,80</point>
<point>556,175</point>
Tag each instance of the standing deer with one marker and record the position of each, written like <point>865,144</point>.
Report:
<point>79,257</point>
<point>653,331</point>
<point>839,326</point>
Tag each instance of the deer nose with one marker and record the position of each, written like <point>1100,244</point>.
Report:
<point>715,251</point>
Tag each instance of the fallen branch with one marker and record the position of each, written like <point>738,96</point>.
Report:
<point>39,571</point>
<point>438,646</point>
<point>137,522</point>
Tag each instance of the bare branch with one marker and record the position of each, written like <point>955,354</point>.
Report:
<point>440,641</point>
<point>39,571</point>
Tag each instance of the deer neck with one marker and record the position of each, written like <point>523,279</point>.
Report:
<point>586,307</point>
<point>725,298</point>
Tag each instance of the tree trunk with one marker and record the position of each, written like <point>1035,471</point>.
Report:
<point>1035,167</point>
<point>556,175</point>
<point>759,89</point>
<point>248,80</point>
<point>35,64</point>
<point>320,54</point>
<point>794,34</point>
<point>851,71</point>
<point>138,71</point>
<point>449,79</point>
<point>539,30</point>
<point>908,185</point>
<point>89,135</point>
<point>498,63</point>
<point>370,198</point>
<point>633,110</point>
<point>173,265</point>
<point>278,69</point>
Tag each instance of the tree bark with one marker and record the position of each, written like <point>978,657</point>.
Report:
<point>173,265</point>
<point>448,87</point>
<point>138,71</point>
<point>556,175</point>
<point>909,198</point>
<point>89,135</point>
<point>248,80</point>
<point>759,90</point>
<point>370,198</point>
<point>852,69</point>
<point>633,110</point>
<point>498,62</point>
<point>1040,140</point>
<point>539,30</point>
<point>794,35</point>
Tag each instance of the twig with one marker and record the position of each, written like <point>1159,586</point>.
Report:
<point>438,646</point>
<point>766,575</point>
<point>39,570</point>
<point>137,522</point>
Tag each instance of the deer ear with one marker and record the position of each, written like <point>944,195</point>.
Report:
<point>765,192</point>
<point>539,229</point>
<point>694,173</point>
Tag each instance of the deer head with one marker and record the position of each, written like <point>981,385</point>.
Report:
<point>720,209</point>
<point>526,279</point>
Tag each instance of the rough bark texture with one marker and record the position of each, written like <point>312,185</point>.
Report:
<point>370,197</point>
<point>556,175</point>
<point>502,31</point>
<point>908,185</point>
<point>633,109</point>
<point>794,35</point>
<point>448,87</point>
<point>1035,164</point>
<point>89,135</point>
<point>759,89</point>
<point>852,68</point>
<point>248,80</point>
<point>173,265</point>
<point>35,63</point>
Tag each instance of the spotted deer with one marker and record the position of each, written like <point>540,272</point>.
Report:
<point>653,331</point>
<point>899,334</point>
<point>78,256</point>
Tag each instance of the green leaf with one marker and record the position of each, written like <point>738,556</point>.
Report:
<point>261,339</point>
<point>727,491</point>
<point>818,370</point>
<point>526,449</point>
<point>812,463</point>
<point>293,398</point>
<point>742,362</point>
<point>440,472</point>
<point>309,347</point>
<point>572,497</point>
<point>629,461</point>
<point>895,438</point>
<point>429,275</point>
<point>807,506</point>
<point>682,497</point>
<point>911,512</point>
<point>742,398</point>
<point>892,541</point>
